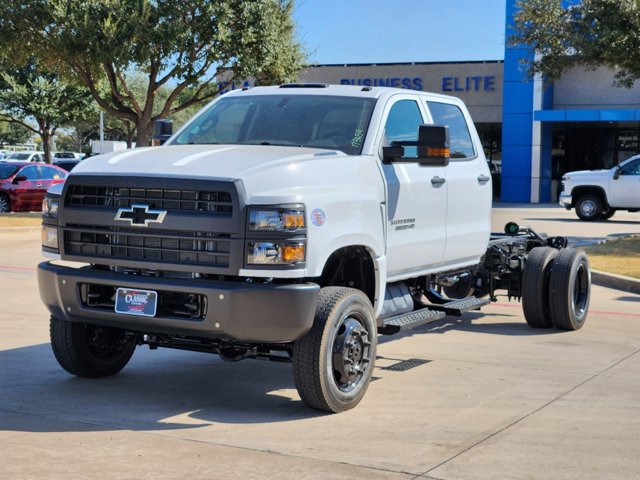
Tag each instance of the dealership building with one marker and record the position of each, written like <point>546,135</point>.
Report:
<point>531,131</point>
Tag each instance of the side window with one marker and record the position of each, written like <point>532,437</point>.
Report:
<point>37,158</point>
<point>631,168</point>
<point>459,136</point>
<point>49,173</point>
<point>402,124</point>
<point>30,172</point>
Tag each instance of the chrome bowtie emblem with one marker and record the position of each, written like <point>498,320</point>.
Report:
<point>140,215</point>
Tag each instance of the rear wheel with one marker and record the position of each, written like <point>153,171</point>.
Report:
<point>5,205</point>
<point>535,287</point>
<point>608,214</point>
<point>589,208</point>
<point>90,350</point>
<point>333,362</point>
<point>570,289</point>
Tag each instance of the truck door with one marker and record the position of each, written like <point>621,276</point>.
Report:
<point>625,190</point>
<point>416,196</point>
<point>469,194</point>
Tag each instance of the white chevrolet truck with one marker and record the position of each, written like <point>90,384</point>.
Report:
<point>292,223</point>
<point>598,194</point>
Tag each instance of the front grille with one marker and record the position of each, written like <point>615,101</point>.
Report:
<point>172,200</point>
<point>163,246</point>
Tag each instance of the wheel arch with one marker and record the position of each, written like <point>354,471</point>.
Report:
<point>581,190</point>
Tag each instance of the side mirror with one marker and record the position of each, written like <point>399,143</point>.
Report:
<point>19,178</point>
<point>616,174</point>
<point>433,147</point>
<point>162,130</point>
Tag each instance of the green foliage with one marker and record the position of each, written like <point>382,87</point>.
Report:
<point>180,47</point>
<point>12,133</point>
<point>32,91</point>
<point>591,33</point>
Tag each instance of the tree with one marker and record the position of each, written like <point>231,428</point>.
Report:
<point>31,91</point>
<point>13,133</point>
<point>180,46</point>
<point>591,33</point>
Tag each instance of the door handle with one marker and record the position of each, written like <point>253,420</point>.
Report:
<point>483,179</point>
<point>38,185</point>
<point>437,181</point>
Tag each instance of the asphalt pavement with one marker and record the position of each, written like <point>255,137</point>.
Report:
<point>486,397</point>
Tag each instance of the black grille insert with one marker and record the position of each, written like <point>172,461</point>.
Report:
<point>193,248</point>
<point>190,306</point>
<point>219,202</point>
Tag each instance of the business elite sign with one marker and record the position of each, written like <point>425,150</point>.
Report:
<point>475,83</point>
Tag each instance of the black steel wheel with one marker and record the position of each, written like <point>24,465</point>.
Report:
<point>88,350</point>
<point>570,289</point>
<point>333,362</point>
<point>5,205</point>
<point>589,208</point>
<point>608,214</point>
<point>535,287</point>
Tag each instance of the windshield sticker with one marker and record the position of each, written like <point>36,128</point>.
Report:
<point>358,137</point>
<point>318,217</point>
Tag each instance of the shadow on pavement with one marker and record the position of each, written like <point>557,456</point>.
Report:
<point>466,324</point>
<point>160,390</point>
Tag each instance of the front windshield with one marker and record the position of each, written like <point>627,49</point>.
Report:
<point>7,170</point>
<point>19,156</point>
<point>316,121</point>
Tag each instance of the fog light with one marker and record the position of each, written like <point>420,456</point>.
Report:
<point>50,237</point>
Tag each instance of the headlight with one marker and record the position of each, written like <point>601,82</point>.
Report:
<point>276,220</point>
<point>275,253</point>
<point>50,207</point>
<point>50,236</point>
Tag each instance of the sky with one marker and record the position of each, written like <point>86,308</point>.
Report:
<point>398,31</point>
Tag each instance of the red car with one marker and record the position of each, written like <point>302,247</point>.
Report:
<point>23,185</point>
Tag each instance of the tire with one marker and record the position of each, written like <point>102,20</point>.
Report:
<point>333,362</point>
<point>608,214</point>
<point>5,205</point>
<point>570,289</point>
<point>90,351</point>
<point>535,287</point>
<point>463,288</point>
<point>589,208</point>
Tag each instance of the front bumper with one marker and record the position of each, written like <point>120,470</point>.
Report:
<point>245,312</point>
<point>565,201</point>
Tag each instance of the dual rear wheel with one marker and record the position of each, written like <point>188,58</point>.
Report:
<point>556,288</point>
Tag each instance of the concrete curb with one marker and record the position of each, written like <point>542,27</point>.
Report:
<point>618,282</point>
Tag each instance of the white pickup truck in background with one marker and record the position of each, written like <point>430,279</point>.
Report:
<point>292,223</point>
<point>597,194</point>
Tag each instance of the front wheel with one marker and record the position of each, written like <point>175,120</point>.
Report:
<point>88,350</point>
<point>589,208</point>
<point>333,362</point>
<point>5,205</point>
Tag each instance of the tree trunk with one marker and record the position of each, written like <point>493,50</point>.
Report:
<point>45,135</point>
<point>143,135</point>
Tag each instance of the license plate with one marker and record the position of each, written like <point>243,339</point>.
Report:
<point>136,302</point>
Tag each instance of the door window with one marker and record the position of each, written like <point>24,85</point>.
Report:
<point>631,168</point>
<point>49,173</point>
<point>459,136</point>
<point>402,125</point>
<point>30,172</point>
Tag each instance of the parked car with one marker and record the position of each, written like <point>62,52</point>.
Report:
<point>23,185</point>
<point>67,164</point>
<point>67,156</point>
<point>25,157</point>
<point>598,194</point>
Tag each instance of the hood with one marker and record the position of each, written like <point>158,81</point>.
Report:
<point>267,173</point>
<point>583,173</point>
<point>199,161</point>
